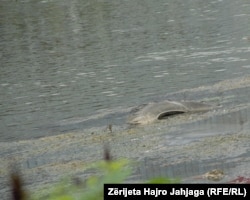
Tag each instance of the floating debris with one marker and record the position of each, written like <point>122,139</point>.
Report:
<point>214,175</point>
<point>161,110</point>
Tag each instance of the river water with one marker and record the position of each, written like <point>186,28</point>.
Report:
<point>70,68</point>
<point>63,62</point>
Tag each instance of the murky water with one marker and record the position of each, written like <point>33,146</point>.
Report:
<point>70,68</point>
<point>62,62</point>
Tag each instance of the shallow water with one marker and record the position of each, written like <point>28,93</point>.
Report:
<point>185,146</point>
<point>65,62</point>
<point>71,68</point>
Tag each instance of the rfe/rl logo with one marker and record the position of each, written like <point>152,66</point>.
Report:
<point>225,191</point>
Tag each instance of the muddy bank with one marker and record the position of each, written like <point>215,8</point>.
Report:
<point>184,146</point>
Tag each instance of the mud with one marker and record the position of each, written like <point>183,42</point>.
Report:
<point>185,146</point>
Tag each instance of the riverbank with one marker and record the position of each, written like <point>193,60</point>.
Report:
<point>184,146</point>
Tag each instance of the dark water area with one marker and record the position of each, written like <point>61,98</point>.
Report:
<point>63,62</point>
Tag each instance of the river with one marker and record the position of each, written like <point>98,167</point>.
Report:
<point>63,62</point>
<point>70,68</point>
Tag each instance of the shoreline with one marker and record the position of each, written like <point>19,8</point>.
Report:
<point>216,139</point>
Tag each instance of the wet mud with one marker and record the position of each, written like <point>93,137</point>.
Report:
<point>186,146</point>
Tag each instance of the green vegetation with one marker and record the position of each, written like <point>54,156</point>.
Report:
<point>92,189</point>
<point>106,171</point>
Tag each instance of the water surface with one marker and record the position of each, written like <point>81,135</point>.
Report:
<point>64,61</point>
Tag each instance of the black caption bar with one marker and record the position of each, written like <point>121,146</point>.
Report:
<point>176,191</point>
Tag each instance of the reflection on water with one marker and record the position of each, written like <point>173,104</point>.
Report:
<point>66,60</point>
